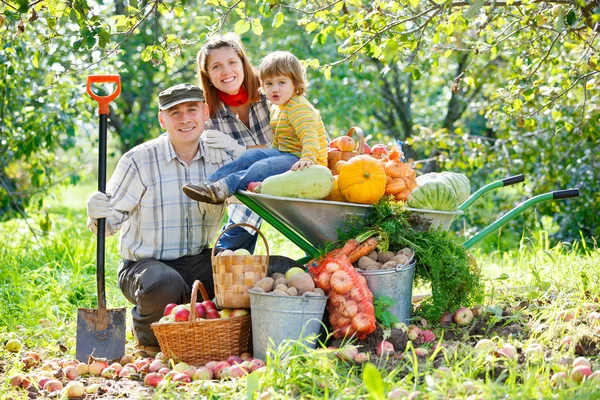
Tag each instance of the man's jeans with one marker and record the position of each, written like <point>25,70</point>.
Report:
<point>152,284</point>
<point>253,165</point>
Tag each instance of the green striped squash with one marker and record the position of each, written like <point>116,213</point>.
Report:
<point>433,195</point>
<point>460,183</point>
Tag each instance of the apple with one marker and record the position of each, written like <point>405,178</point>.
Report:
<point>413,332</point>
<point>361,358</point>
<point>485,346</point>
<point>595,376</point>
<point>348,352</point>
<point>152,379</point>
<point>29,362</point>
<point>333,144</point>
<point>234,360</point>
<point>242,252</point>
<point>203,374</point>
<point>127,371</point>
<point>211,365</point>
<point>508,351</point>
<point>427,336</point>
<point>379,150</point>
<point>155,366</point>
<point>253,185</point>
<point>70,372</point>
<point>367,148</point>
<point>397,394</point>
<point>534,349</point>
<point>463,316</point>
<point>346,143</point>
<point>82,368</point>
<point>94,388</point>
<point>118,367</point>
<point>384,348</point>
<point>16,380</point>
<point>225,313</point>
<point>96,367</point>
<point>128,359</point>
<point>256,364</point>
<point>74,390</point>
<point>581,361</point>
<point>237,371</point>
<point>227,252</point>
<point>559,379</point>
<point>246,356</point>
<point>109,373</point>
<point>219,368</point>
<point>167,319</point>
<point>200,310</point>
<point>14,345</point>
<point>421,352</point>
<point>141,364</point>
<point>580,373</point>
<point>53,385</point>
<point>182,315</point>
<point>446,318</point>
<point>293,271</point>
<point>238,312</point>
<point>168,308</point>
<point>181,377</point>
<point>212,314</point>
<point>164,371</point>
<point>209,305</point>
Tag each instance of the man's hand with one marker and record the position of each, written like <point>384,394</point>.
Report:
<point>301,164</point>
<point>98,205</point>
<point>217,140</point>
<point>207,208</point>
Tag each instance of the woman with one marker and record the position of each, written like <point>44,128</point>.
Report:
<point>239,119</point>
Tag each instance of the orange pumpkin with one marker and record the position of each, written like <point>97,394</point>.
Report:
<point>336,194</point>
<point>362,180</point>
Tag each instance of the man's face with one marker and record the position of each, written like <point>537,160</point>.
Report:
<point>184,122</point>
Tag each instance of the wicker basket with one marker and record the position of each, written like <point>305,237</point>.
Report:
<point>334,156</point>
<point>235,275</point>
<point>197,341</point>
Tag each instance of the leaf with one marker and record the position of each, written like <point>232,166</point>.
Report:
<point>559,23</point>
<point>311,26</point>
<point>390,50</point>
<point>278,19</point>
<point>241,27</point>
<point>252,384</point>
<point>257,27</point>
<point>414,3</point>
<point>373,381</point>
<point>473,9</point>
<point>416,74</point>
<point>571,18</point>
<point>327,73</point>
<point>35,60</point>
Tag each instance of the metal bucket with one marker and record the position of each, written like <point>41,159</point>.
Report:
<point>277,318</point>
<point>395,283</point>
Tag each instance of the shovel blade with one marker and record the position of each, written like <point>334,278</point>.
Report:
<point>100,333</point>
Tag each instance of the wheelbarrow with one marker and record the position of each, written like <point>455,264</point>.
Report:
<point>310,223</point>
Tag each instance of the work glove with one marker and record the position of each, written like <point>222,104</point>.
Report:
<point>218,140</point>
<point>98,205</point>
<point>215,156</point>
<point>207,208</point>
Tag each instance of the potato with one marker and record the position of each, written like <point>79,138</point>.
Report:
<point>319,292</point>
<point>365,261</point>
<point>374,266</point>
<point>258,289</point>
<point>292,291</point>
<point>279,293</point>
<point>308,294</point>
<point>389,265</point>
<point>281,287</point>
<point>303,282</point>
<point>277,275</point>
<point>266,284</point>
<point>401,259</point>
<point>373,255</point>
<point>407,252</point>
<point>385,256</point>
<point>280,281</point>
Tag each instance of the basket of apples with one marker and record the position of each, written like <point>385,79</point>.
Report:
<point>236,272</point>
<point>197,333</point>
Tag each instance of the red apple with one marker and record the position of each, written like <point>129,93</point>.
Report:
<point>200,310</point>
<point>463,316</point>
<point>581,361</point>
<point>397,394</point>
<point>70,372</point>
<point>421,352</point>
<point>580,373</point>
<point>211,365</point>
<point>237,371</point>
<point>379,150</point>
<point>29,362</point>
<point>446,318</point>
<point>220,367</point>
<point>203,374</point>
<point>182,315</point>
<point>347,352</point>
<point>212,314</point>
<point>384,348</point>
<point>155,366</point>
<point>54,385</point>
<point>559,379</point>
<point>256,364</point>
<point>128,371</point>
<point>168,308</point>
<point>74,390</point>
<point>361,358</point>
<point>96,367</point>
<point>427,336</point>
<point>333,149</point>
<point>152,379</point>
<point>253,185</point>
<point>209,305</point>
<point>333,144</point>
<point>234,360</point>
<point>367,148</point>
<point>508,351</point>
<point>181,377</point>
<point>246,356</point>
<point>346,143</point>
<point>413,332</point>
<point>164,371</point>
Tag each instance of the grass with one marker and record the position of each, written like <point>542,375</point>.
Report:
<point>44,278</point>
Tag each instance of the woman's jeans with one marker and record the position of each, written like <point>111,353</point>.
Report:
<point>253,165</point>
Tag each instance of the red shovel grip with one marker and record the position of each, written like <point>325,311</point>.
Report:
<point>104,101</point>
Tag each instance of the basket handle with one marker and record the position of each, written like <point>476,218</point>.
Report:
<point>361,138</point>
<point>197,286</point>
<point>246,225</point>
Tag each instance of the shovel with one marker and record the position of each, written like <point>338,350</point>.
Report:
<point>101,332</point>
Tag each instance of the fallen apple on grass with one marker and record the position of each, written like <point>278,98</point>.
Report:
<point>384,348</point>
<point>463,316</point>
<point>580,373</point>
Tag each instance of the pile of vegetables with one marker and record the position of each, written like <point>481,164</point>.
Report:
<point>454,277</point>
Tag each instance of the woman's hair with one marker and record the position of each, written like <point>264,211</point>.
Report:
<point>284,63</point>
<point>251,81</point>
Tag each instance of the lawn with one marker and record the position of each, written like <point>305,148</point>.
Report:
<point>540,301</point>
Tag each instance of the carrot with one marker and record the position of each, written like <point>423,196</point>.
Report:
<point>349,247</point>
<point>364,249</point>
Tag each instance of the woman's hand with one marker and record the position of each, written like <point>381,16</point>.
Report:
<point>301,164</point>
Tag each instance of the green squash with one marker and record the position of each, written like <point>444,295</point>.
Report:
<point>433,195</point>
<point>314,182</point>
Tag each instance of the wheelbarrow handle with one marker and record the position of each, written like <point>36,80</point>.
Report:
<point>104,101</point>
<point>511,180</point>
<point>500,222</point>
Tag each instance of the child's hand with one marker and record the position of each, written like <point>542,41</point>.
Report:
<point>302,164</point>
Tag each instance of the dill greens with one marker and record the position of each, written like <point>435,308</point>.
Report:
<point>447,266</point>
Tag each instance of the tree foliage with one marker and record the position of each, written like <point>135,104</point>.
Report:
<point>487,87</point>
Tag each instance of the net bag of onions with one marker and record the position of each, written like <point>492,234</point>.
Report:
<point>400,178</point>
<point>350,304</point>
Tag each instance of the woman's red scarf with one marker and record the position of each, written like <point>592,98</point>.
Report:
<point>234,99</point>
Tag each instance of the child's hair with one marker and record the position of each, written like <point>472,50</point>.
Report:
<point>284,63</point>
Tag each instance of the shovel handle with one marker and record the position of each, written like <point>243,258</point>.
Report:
<point>104,101</point>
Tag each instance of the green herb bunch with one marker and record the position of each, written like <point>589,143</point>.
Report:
<point>447,266</point>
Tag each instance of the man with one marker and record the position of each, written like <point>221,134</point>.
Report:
<point>164,234</point>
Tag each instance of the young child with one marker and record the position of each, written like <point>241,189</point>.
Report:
<point>299,137</point>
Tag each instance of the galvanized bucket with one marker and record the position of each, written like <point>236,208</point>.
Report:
<point>395,283</point>
<point>277,318</point>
